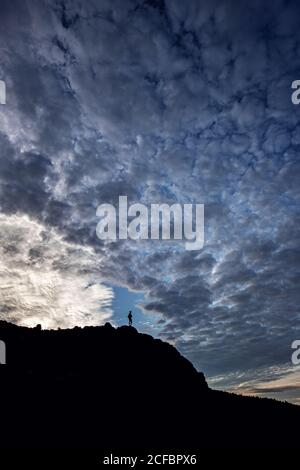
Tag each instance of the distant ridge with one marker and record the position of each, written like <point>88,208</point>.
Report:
<point>97,387</point>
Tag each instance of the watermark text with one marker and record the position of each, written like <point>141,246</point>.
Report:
<point>2,92</point>
<point>2,352</point>
<point>159,221</point>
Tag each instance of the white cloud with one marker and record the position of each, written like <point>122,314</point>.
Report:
<point>47,280</point>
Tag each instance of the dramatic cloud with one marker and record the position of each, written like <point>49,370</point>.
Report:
<point>162,101</point>
<point>46,280</point>
<point>276,381</point>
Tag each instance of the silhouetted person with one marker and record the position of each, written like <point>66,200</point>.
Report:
<point>130,318</point>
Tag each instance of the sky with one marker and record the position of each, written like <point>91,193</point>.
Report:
<point>163,101</point>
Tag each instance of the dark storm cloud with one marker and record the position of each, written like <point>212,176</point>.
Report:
<point>23,186</point>
<point>166,101</point>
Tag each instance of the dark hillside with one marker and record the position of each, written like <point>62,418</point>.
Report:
<point>102,387</point>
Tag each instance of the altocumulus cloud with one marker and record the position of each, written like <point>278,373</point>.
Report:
<point>162,101</point>
<point>46,280</point>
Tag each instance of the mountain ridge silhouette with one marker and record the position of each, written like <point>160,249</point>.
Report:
<point>96,387</point>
